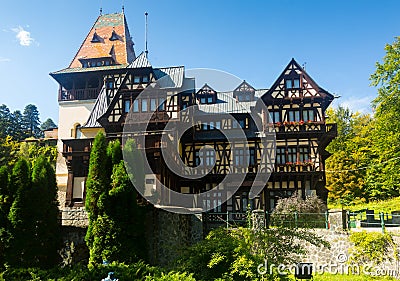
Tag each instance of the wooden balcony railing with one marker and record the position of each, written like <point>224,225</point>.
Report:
<point>78,94</point>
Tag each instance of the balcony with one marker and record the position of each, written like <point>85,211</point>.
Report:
<point>78,94</point>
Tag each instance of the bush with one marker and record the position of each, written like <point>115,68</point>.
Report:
<point>298,212</point>
<point>372,247</point>
<point>137,271</point>
<point>235,254</point>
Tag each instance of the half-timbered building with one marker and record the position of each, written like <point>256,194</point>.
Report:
<point>106,81</point>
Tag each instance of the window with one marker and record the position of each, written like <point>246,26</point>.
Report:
<point>135,106</point>
<point>209,100</point>
<point>136,79</point>
<point>127,106</point>
<point>239,157</point>
<point>145,79</point>
<point>291,154</point>
<point>218,125</point>
<point>161,106</point>
<point>276,116</point>
<point>209,157</point>
<point>202,100</point>
<point>107,62</point>
<point>144,105</point>
<point>205,126</point>
<point>110,84</point>
<point>280,156</point>
<point>308,115</point>
<point>99,63</point>
<point>153,105</point>
<point>304,154</point>
<point>252,158</point>
<point>292,83</point>
<point>206,155</point>
<point>293,115</point>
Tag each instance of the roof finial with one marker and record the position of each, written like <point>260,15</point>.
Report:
<point>304,65</point>
<point>101,11</point>
<point>145,35</point>
<point>123,9</point>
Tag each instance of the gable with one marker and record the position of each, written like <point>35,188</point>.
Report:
<point>295,84</point>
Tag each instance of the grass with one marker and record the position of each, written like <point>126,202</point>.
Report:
<point>385,206</point>
<point>340,277</point>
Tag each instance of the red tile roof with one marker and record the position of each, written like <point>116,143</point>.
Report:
<point>104,26</point>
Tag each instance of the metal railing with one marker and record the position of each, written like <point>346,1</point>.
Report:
<point>368,218</point>
<point>291,220</point>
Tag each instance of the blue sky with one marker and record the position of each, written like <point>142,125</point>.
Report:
<point>340,41</point>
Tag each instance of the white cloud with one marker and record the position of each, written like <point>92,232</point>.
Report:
<point>23,36</point>
<point>4,59</point>
<point>362,105</point>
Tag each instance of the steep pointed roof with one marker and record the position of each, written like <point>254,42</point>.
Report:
<point>109,32</point>
<point>140,62</point>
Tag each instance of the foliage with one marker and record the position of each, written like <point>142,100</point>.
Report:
<point>45,213</point>
<point>137,271</point>
<point>21,125</point>
<point>383,179</point>
<point>48,124</point>
<point>116,231</point>
<point>31,122</point>
<point>351,154</point>
<point>371,247</point>
<point>235,254</point>
<point>4,209</point>
<point>32,151</point>
<point>33,215</point>
<point>8,151</point>
<point>97,184</point>
<point>382,206</point>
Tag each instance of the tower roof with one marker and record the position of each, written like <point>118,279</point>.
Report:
<point>108,38</point>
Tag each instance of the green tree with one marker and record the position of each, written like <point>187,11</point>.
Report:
<point>8,151</point>
<point>97,184</point>
<point>351,155</point>
<point>17,130</point>
<point>5,121</point>
<point>20,215</point>
<point>45,214</point>
<point>48,124</point>
<point>384,177</point>
<point>31,121</point>
<point>4,210</point>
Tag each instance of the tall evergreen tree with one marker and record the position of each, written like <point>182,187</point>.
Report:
<point>48,124</point>
<point>5,121</point>
<point>22,225</point>
<point>17,130</point>
<point>4,209</point>
<point>31,121</point>
<point>45,214</point>
<point>97,184</point>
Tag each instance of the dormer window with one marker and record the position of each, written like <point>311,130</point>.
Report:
<point>244,92</point>
<point>96,38</point>
<point>114,36</point>
<point>206,95</point>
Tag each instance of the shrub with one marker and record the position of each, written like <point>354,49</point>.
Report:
<point>298,212</point>
<point>372,247</point>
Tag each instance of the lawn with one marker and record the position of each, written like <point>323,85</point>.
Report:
<point>339,277</point>
<point>386,206</point>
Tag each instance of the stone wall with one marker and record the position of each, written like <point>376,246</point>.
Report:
<point>337,259</point>
<point>74,216</point>
<point>167,234</point>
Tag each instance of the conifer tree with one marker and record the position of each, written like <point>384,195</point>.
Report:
<point>4,209</point>
<point>97,184</point>
<point>45,213</point>
<point>22,225</point>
